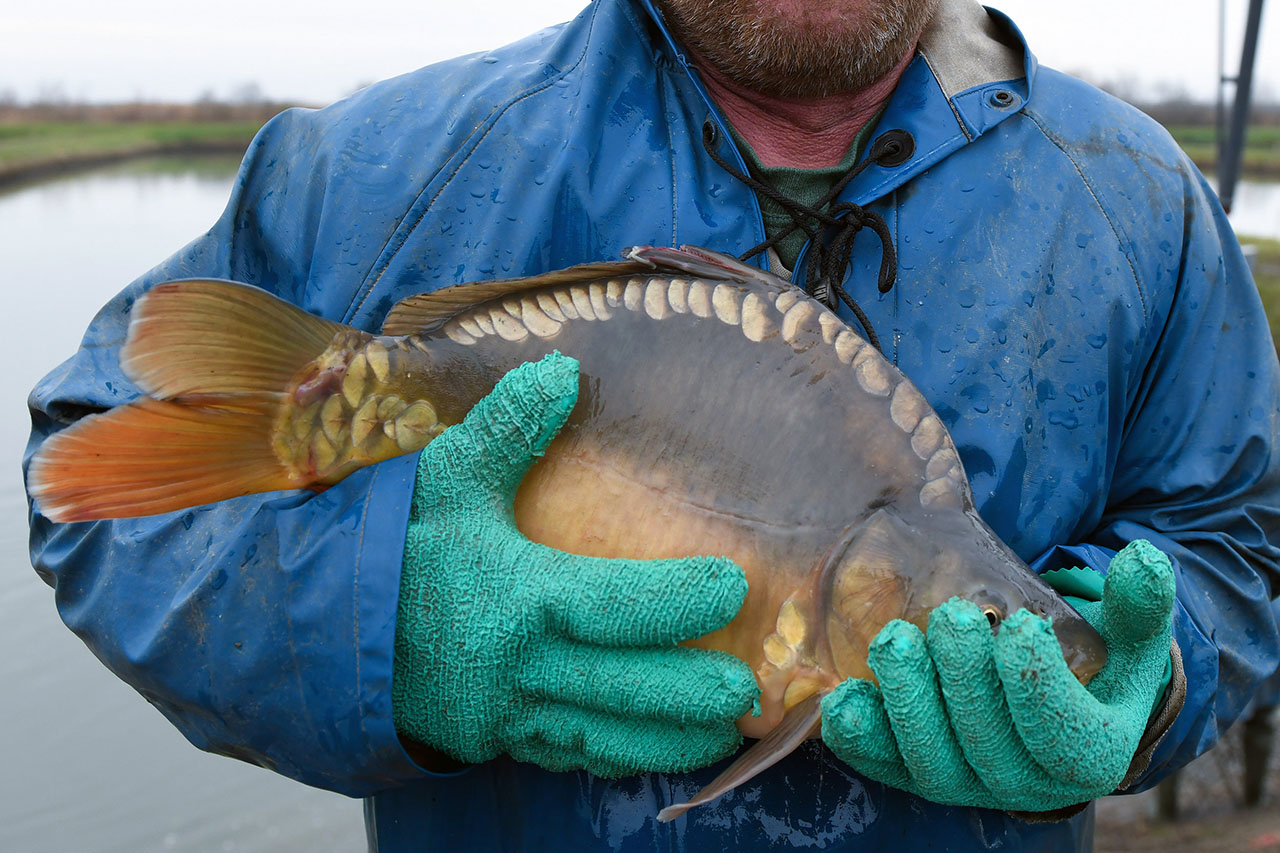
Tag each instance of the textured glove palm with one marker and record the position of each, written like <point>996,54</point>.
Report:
<point>965,718</point>
<point>506,646</point>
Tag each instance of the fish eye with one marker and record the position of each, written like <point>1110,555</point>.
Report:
<point>993,614</point>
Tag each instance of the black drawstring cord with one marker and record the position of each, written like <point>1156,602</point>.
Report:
<point>829,257</point>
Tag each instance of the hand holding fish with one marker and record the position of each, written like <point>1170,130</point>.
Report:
<point>507,646</point>
<point>966,718</point>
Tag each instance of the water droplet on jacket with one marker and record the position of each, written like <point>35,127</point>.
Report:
<point>1095,341</point>
<point>1064,419</point>
<point>218,580</point>
<point>1082,239</point>
<point>967,298</point>
<point>979,396</point>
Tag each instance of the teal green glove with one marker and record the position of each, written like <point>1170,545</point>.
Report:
<point>967,718</point>
<point>505,646</point>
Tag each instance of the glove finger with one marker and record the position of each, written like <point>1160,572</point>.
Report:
<point>913,701</point>
<point>1070,734</point>
<point>643,602</point>
<point>675,685</point>
<point>856,728</point>
<point>962,646</point>
<point>488,454</point>
<point>559,737</point>
<point>1137,596</point>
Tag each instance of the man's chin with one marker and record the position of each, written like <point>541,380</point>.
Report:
<point>802,50</point>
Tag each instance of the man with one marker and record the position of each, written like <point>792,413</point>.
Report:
<point>1056,279</point>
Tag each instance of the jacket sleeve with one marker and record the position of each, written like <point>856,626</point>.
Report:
<point>262,627</point>
<point>1198,474</point>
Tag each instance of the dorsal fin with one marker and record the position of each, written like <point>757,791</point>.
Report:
<point>704,263</point>
<point>427,312</point>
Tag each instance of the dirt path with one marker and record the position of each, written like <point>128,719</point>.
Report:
<point>1210,815</point>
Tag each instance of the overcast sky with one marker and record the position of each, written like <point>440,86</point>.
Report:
<point>320,50</point>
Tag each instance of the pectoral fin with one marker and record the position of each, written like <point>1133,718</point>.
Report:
<point>798,724</point>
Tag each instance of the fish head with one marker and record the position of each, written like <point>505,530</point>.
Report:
<point>899,567</point>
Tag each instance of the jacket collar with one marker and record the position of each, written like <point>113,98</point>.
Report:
<point>969,46</point>
<point>972,71</point>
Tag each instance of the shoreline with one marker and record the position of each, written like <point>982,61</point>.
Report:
<point>34,170</point>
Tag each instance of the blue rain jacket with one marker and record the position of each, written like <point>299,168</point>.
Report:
<point>1070,299</point>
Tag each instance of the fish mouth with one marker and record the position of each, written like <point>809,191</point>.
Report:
<point>1082,647</point>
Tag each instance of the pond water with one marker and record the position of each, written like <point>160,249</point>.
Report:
<point>1257,209</point>
<point>88,765</point>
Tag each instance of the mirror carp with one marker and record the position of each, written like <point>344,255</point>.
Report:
<point>720,411</point>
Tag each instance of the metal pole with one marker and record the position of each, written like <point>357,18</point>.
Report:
<point>1229,164</point>
<point>1220,112</point>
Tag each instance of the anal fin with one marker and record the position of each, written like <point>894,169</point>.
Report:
<point>797,724</point>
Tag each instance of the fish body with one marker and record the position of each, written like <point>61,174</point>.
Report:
<point>720,411</point>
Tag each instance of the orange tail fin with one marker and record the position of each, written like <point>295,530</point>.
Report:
<point>153,456</point>
<point>221,358</point>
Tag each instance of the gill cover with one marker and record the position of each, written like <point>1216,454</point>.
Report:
<point>863,588</point>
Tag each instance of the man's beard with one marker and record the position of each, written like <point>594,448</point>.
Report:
<point>814,49</point>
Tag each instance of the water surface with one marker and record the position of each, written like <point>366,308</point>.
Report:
<point>88,765</point>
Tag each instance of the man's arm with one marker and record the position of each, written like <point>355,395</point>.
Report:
<point>1198,475</point>
<point>262,627</point>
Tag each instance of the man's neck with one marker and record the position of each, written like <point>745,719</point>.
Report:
<point>804,134</point>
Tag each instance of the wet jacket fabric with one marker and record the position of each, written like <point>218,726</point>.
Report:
<point>1069,298</point>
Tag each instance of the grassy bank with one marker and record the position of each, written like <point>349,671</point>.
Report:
<point>34,149</point>
<point>1261,148</point>
<point>1267,276</point>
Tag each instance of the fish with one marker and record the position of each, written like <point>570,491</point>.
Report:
<point>721,410</point>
